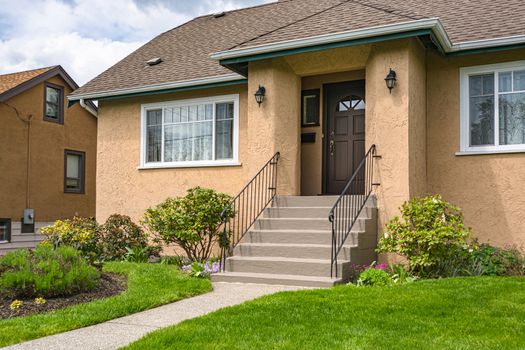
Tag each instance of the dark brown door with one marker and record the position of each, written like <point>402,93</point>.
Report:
<point>344,133</point>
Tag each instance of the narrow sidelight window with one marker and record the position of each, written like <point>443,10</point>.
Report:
<point>54,103</point>
<point>74,178</point>
<point>5,230</point>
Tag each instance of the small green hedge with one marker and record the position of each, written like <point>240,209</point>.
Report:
<point>45,272</point>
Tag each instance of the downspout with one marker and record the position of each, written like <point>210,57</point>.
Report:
<point>88,108</point>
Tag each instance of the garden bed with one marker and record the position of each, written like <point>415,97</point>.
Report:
<point>110,284</point>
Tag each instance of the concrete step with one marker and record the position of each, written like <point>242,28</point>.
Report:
<point>312,201</point>
<point>300,224</point>
<point>299,236</point>
<point>359,256</point>
<point>307,212</point>
<point>280,279</point>
<point>287,266</point>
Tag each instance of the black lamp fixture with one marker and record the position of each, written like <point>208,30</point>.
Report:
<point>391,80</point>
<point>259,95</point>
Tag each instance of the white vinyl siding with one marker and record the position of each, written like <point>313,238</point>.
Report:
<point>190,133</point>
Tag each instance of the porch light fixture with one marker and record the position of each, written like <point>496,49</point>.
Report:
<point>259,95</point>
<point>391,80</point>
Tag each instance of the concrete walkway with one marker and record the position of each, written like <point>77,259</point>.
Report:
<point>122,331</point>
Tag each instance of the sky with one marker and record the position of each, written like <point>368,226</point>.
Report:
<point>88,36</point>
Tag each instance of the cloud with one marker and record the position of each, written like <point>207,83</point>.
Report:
<point>88,36</point>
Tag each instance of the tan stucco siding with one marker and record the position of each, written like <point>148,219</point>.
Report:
<point>123,188</point>
<point>48,141</point>
<point>489,188</point>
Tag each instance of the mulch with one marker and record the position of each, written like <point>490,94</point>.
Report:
<point>111,284</point>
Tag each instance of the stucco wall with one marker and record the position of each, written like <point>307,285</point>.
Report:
<point>48,141</point>
<point>394,122</point>
<point>274,126</point>
<point>489,188</point>
<point>125,189</point>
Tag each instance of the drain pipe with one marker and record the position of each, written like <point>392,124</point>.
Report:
<point>88,108</point>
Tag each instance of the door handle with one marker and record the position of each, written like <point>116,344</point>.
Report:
<point>332,143</point>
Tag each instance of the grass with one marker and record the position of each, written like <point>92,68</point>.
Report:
<point>458,313</point>
<point>149,285</point>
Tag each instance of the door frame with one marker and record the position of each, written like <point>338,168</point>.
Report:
<point>325,129</point>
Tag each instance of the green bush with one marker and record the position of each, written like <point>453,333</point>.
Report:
<point>79,233</point>
<point>45,272</point>
<point>192,221</point>
<point>374,277</point>
<point>429,231</point>
<point>105,242</point>
<point>118,234</point>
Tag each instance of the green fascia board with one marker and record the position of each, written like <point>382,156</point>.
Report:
<point>355,42</point>
<point>486,50</point>
<point>180,89</point>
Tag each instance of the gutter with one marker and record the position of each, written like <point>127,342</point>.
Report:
<point>149,88</point>
<point>432,24</point>
<point>88,108</point>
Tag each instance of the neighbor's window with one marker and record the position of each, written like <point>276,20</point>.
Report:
<point>196,132</point>
<point>53,103</point>
<point>5,230</point>
<point>493,108</point>
<point>74,171</point>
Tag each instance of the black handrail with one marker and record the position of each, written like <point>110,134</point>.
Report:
<point>244,209</point>
<point>349,205</point>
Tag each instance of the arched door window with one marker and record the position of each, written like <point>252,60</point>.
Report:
<point>351,103</point>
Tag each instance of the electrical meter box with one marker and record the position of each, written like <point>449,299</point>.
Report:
<point>29,216</point>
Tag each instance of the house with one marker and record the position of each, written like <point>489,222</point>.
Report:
<point>431,92</point>
<point>47,154</point>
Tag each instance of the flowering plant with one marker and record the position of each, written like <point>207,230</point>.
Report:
<point>198,269</point>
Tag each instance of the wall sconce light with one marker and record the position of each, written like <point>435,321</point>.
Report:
<point>259,95</point>
<point>391,80</point>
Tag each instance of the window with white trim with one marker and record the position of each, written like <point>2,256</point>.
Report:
<point>493,108</point>
<point>199,132</point>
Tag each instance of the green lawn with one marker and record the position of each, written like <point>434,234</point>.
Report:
<point>460,313</point>
<point>149,285</point>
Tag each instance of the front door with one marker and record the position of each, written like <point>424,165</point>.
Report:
<point>344,132</point>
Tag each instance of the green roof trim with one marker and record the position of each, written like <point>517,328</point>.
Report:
<point>486,50</point>
<point>180,89</point>
<point>335,45</point>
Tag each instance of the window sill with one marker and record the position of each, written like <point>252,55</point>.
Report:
<point>188,165</point>
<point>479,153</point>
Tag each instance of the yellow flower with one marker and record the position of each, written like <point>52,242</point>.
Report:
<point>16,304</point>
<point>40,301</point>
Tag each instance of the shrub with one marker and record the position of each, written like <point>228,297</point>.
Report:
<point>118,234</point>
<point>46,272</point>
<point>374,277</point>
<point>79,233</point>
<point>192,221</point>
<point>137,254</point>
<point>430,230</point>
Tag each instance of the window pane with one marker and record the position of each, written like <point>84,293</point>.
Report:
<point>154,117</point>
<point>168,115</point>
<point>193,114</point>
<point>505,81</point>
<point>512,119</point>
<point>184,114</point>
<point>177,142</point>
<point>3,231</point>
<point>202,141</point>
<point>209,111</point>
<point>51,110</point>
<point>224,139</point>
<point>52,95</point>
<point>519,80</point>
<point>481,109</point>
<point>72,184</point>
<point>73,166</point>
<point>224,111</point>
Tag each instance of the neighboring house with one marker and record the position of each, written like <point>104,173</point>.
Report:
<point>181,112</point>
<point>47,154</point>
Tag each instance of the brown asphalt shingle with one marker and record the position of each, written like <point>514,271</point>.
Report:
<point>9,81</point>
<point>185,50</point>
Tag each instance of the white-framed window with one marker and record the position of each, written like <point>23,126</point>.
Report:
<point>493,108</point>
<point>191,133</point>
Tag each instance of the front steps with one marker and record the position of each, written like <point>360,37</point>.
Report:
<point>290,244</point>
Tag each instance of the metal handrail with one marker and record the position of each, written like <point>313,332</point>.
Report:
<point>349,205</point>
<point>246,207</point>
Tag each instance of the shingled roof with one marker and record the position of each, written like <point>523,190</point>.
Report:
<point>186,50</point>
